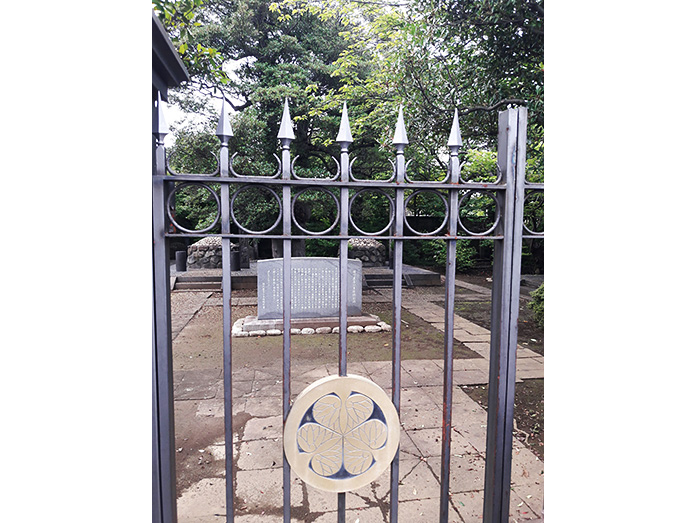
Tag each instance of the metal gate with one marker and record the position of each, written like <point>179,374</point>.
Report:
<point>509,193</point>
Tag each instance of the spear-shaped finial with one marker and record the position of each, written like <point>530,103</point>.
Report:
<point>224,130</point>
<point>286,130</point>
<point>161,128</point>
<point>344,129</point>
<point>400,132</point>
<point>455,139</point>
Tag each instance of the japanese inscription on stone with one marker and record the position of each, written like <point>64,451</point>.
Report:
<point>314,288</point>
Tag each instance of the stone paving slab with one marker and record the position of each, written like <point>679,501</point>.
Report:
<point>472,287</point>
<point>469,507</point>
<point>262,490</point>
<point>369,515</point>
<point>526,353</point>
<point>425,510</point>
<point>420,416</point>
<point>263,428</point>
<point>185,305</point>
<point>257,443</point>
<point>259,462</point>
<point>196,384</point>
<point>260,454</point>
<point>480,347</point>
<point>203,502</point>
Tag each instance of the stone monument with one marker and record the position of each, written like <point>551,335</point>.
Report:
<point>314,291</point>
<point>314,288</point>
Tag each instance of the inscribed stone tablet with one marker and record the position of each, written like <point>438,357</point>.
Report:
<point>314,288</point>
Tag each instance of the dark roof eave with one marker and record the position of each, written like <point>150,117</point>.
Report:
<point>165,59</point>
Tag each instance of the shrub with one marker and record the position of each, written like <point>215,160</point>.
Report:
<point>322,248</point>
<point>433,253</point>
<point>538,304</point>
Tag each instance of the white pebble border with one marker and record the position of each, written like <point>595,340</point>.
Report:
<point>237,331</point>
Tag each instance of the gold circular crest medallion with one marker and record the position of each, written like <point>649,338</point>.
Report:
<point>341,433</point>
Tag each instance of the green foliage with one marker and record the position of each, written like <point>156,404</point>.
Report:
<point>479,166</point>
<point>322,248</point>
<point>538,304</point>
<point>194,151</point>
<point>181,18</point>
<point>433,253</point>
<point>249,141</point>
<point>532,261</point>
<point>256,209</point>
<point>195,207</point>
<point>370,211</point>
<point>315,210</point>
<point>276,56</point>
<point>429,56</point>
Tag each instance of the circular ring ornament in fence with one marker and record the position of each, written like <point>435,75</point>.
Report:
<point>213,173</point>
<point>392,213</point>
<point>387,180</point>
<point>212,195</point>
<point>307,231</point>
<point>445,213</point>
<point>295,175</point>
<point>249,188</point>
<point>493,176</point>
<point>467,198</point>
<point>341,433</point>
<point>533,205</point>
<point>238,175</point>
<point>406,176</point>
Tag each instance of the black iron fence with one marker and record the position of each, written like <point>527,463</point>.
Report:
<point>506,229</point>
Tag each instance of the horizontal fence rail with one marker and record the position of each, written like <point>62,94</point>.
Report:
<point>506,227</point>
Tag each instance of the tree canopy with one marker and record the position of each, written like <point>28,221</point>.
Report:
<point>429,56</point>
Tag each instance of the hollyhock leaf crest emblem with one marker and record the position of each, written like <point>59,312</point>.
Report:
<point>341,434</point>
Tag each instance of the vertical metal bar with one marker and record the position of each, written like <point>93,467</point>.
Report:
<point>156,477</point>
<point>341,507</point>
<point>224,132</point>
<point>343,262</point>
<point>344,138</point>
<point>451,247</point>
<point>287,268</point>
<point>163,416</point>
<point>286,135</point>
<point>504,318</point>
<point>397,267</point>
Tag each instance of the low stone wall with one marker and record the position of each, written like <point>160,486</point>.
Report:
<point>206,253</point>
<point>371,252</point>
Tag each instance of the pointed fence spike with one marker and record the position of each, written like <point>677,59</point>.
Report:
<point>286,130</point>
<point>400,132</point>
<point>224,130</point>
<point>344,129</point>
<point>162,127</point>
<point>455,139</point>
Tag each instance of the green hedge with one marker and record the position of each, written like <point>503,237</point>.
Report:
<point>538,304</point>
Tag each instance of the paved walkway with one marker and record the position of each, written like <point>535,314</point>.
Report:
<point>258,441</point>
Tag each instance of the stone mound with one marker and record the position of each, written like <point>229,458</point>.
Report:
<point>207,253</point>
<point>371,252</point>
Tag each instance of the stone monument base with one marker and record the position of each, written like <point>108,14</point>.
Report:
<point>253,326</point>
